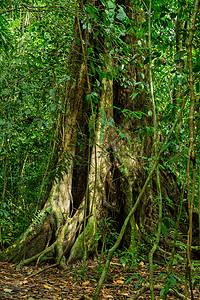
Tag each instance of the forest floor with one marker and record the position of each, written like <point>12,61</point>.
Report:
<point>121,283</point>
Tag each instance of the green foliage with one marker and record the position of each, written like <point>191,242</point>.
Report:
<point>5,35</point>
<point>170,282</point>
<point>33,67</point>
<point>196,277</point>
<point>130,257</point>
<point>107,233</point>
<point>12,225</point>
<point>34,64</point>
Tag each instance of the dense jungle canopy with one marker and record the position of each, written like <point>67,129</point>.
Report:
<point>99,140</point>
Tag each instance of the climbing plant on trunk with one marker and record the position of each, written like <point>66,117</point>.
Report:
<point>105,143</point>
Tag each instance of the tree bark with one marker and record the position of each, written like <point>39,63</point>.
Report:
<point>116,151</point>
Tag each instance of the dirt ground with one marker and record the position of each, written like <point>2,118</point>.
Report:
<point>72,284</point>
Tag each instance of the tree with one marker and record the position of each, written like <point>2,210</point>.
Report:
<point>106,144</point>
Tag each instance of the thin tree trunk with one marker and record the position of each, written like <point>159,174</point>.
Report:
<point>191,153</point>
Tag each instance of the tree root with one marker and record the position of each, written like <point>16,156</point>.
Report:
<point>39,255</point>
<point>54,245</point>
<point>146,287</point>
<point>88,235</point>
<point>40,271</point>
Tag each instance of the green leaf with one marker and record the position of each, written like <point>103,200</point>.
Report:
<point>94,96</point>
<point>146,61</point>
<point>196,69</point>
<point>111,4</point>
<point>134,95</point>
<point>197,87</point>
<point>39,124</point>
<point>52,94</point>
<point>167,221</point>
<point>180,79</point>
<point>89,50</point>
<point>122,134</point>
<point>162,292</point>
<point>28,112</point>
<point>158,62</point>
<point>121,15</point>
<point>156,54</point>
<point>167,287</point>
<point>164,230</point>
<point>173,15</point>
<point>95,35</point>
<point>164,147</point>
<point>64,78</point>
<point>161,276</point>
<point>6,92</point>
<point>53,107</point>
<point>92,67</point>
<point>179,55</point>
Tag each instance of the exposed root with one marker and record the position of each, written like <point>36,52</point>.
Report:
<point>87,237</point>
<point>33,258</point>
<point>40,271</point>
<point>57,264</point>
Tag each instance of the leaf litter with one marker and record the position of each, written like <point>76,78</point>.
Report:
<point>72,284</point>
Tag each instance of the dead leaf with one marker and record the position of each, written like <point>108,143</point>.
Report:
<point>64,281</point>
<point>85,283</point>
<point>23,282</point>
<point>47,286</point>
<point>116,264</point>
<point>119,281</point>
<point>7,290</point>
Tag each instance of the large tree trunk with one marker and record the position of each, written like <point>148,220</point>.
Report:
<point>115,154</point>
